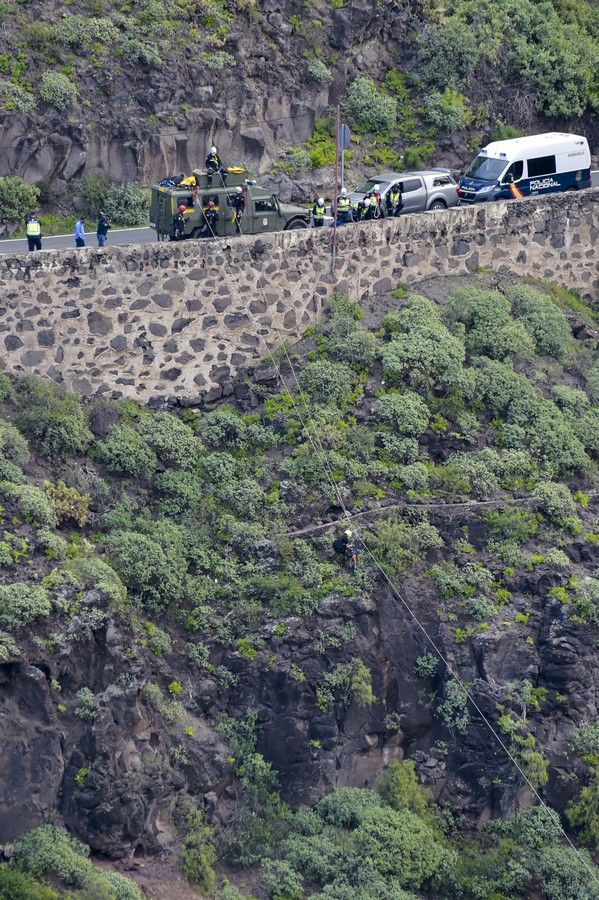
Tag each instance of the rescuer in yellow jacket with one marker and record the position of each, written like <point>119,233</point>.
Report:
<point>33,231</point>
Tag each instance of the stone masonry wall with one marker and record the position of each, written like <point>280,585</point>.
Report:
<point>166,322</point>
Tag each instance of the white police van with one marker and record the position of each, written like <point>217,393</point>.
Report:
<point>527,166</point>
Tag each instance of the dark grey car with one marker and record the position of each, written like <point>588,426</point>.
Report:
<point>422,190</point>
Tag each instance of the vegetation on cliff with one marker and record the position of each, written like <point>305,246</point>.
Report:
<point>163,574</point>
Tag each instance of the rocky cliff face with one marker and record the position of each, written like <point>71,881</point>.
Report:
<point>151,87</point>
<point>112,700</point>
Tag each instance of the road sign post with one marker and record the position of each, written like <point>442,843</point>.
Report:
<point>344,139</point>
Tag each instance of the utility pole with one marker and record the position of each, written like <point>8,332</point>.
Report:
<point>336,186</point>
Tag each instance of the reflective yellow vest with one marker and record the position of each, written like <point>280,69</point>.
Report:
<point>34,229</point>
<point>319,211</point>
<point>343,204</point>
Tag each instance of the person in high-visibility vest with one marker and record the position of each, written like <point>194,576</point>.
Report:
<point>343,208</point>
<point>318,213</point>
<point>34,233</point>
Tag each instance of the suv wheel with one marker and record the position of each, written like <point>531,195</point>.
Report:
<point>296,223</point>
<point>438,204</point>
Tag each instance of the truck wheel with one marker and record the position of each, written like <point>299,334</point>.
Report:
<point>438,204</point>
<point>296,223</point>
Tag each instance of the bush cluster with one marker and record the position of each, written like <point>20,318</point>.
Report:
<point>422,352</point>
<point>50,851</point>
<point>58,90</point>
<point>368,109</point>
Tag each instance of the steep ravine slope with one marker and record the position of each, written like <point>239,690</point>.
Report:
<point>175,622</point>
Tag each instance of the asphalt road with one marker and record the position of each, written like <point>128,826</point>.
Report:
<point>117,236</point>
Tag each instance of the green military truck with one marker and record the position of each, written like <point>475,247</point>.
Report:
<point>263,211</point>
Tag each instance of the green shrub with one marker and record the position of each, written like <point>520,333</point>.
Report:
<point>217,60</point>
<point>173,442</point>
<point>87,704</point>
<point>14,453</point>
<point>68,502</point>
<point>14,97</point>
<point>426,665</point>
<point>316,856</point>
<point>15,885</point>
<point>17,197</point>
<point>95,574</point>
<point>571,399</point>
<point>198,853</point>
<point>151,573</point>
<point>50,851</point>
<point>544,321</point>
<point>505,132</point>
<point>557,504</point>
<point>53,417</point>
<point>401,789</point>
<point>454,707</point>
<point>401,845</point>
<point>127,453</point>
<point>490,329</point>
<point>447,111</point>
<point>586,599</point>
<point>327,382</point>
<point>319,71</point>
<point>281,881</point>
<point>82,31</point>
<point>398,545</point>
<point>127,204</point>
<point>223,427</point>
<point>34,506</point>
<point>345,807</point>
<point>583,813</point>
<point>584,740</point>
<point>424,354</point>
<point>93,190</point>
<point>347,683</point>
<point>8,650</point>
<point>512,523</point>
<point>346,339</point>
<point>405,413</point>
<point>294,161</point>
<point>369,110</point>
<point>57,90</point>
<point>321,145</point>
<point>447,53</point>
<point>182,491</point>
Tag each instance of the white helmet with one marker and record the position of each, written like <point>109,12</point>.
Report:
<point>239,189</point>
<point>348,532</point>
<point>321,201</point>
<point>377,188</point>
<point>344,190</point>
<point>213,150</point>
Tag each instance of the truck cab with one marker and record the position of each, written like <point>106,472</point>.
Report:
<point>263,212</point>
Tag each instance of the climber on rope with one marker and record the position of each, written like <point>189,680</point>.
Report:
<point>344,545</point>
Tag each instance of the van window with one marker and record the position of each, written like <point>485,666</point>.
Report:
<point>515,170</point>
<point>486,168</point>
<point>263,206</point>
<point>412,184</point>
<point>207,197</point>
<point>542,165</point>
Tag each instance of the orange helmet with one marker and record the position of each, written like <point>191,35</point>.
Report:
<point>182,207</point>
<point>211,203</point>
